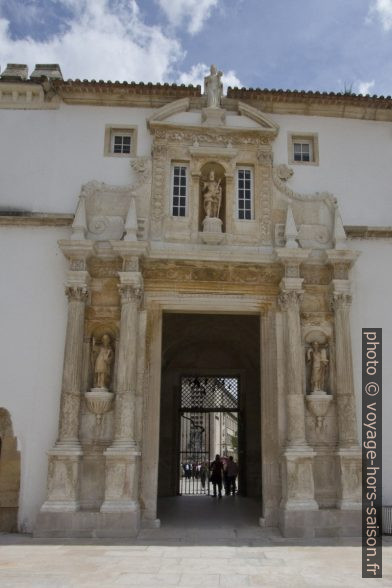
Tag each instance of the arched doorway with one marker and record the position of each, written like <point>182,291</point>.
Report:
<point>219,351</point>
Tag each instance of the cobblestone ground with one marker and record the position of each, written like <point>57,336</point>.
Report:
<point>188,553</point>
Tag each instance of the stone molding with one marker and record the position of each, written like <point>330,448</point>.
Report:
<point>315,103</point>
<point>17,95</point>
<point>35,219</point>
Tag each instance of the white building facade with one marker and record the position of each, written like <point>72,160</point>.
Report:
<point>150,202</point>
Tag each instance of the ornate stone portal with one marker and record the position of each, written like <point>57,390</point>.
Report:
<point>131,260</point>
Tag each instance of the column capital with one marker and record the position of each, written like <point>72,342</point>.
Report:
<point>291,292</point>
<point>130,286</point>
<point>340,294</point>
<point>76,285</point>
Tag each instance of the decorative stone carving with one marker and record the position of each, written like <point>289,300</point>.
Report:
<point>280,184</point>
<point>318,404</point>
<point>290,231</point>
<point>319,362</point>
<point>341,300</point>
<point>290,298</point>
<point>79,293</point>
<point>142,169</point>
<point>159,187</point>
<point>103,212</point>
<point>212,195</point>
<point>103,360</point>
<point>264,157</point>
<point>284,172</point>
<point>77,264</point>
<point>213,87</point>
<point>129,293</point>
<point>99,401</point>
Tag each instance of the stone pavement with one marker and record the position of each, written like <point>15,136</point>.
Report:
<point>195,546</point>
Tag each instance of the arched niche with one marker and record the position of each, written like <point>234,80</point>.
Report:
<point>212,171</point>
<point>9,474</point>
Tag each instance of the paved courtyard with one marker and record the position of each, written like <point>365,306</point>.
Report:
<point>202,542</point>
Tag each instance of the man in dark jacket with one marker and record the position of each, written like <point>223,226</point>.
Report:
<point>216,468</point>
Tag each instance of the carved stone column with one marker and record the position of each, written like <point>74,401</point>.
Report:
<point>349,453</point>
<point>123,457</point>
<point>64,459</point>
<point>158,189</point>
<point>297,474</point>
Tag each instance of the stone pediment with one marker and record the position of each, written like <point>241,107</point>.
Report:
<point>181,113</point>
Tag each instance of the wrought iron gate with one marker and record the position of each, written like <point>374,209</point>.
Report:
<point>206,403</point>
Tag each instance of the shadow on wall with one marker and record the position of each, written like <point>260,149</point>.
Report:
<point>9,475</point>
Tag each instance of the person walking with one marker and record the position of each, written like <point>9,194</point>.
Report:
<point>232,473</point>
<point>216,468</point>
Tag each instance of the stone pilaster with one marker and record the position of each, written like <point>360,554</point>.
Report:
<point>64,458</point>
<point>123,456</point>
<point>297,470</point>
<point>349,453</point>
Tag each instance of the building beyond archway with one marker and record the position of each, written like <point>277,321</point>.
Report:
<point>210,347</point>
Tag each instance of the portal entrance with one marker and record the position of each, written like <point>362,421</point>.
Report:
<point>209,425</point>
<point>210,401</point>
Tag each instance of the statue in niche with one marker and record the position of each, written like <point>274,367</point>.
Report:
<point>213,87</point>
<point>212,195</point>
<point>319,362</point>
<point>103,359</point>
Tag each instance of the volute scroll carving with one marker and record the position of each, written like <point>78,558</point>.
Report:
<point>290,299</point>
<point>130,293</point>
<point>341,301</point>
<point>78,293</point>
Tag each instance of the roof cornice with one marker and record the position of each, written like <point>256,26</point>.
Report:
<point>339,105</point>
<point>132,94</point>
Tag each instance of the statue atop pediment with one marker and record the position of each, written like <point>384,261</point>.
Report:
<point>213,88</point>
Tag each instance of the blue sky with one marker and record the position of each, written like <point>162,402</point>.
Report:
<point>326,45</point>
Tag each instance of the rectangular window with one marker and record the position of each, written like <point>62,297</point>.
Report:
<point>303,148</point>
<point>179,190</point>
<point>120,141</point>
<point>244,193</point>
<point>303,151</point>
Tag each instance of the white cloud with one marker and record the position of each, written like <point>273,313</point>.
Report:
<point>191,13</point>
<point>364,87</point>
<point>102,40</point>
<point>383,10</point>
<point>197,73</point>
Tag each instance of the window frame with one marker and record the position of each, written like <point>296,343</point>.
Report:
<point>311,139</point>
<point>126,130</point>
<point>252,175</point>
<point>181,164</point>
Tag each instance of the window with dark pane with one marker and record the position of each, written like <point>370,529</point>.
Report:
<point>244,194</point>
<point>122,144</point>
<point>179,190</point>
<point>302,152</point>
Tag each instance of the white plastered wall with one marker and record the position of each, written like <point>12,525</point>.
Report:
<point>33,320</point>
<point>372,283</point>
<point>354,164</point>
<point>49,154</point>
